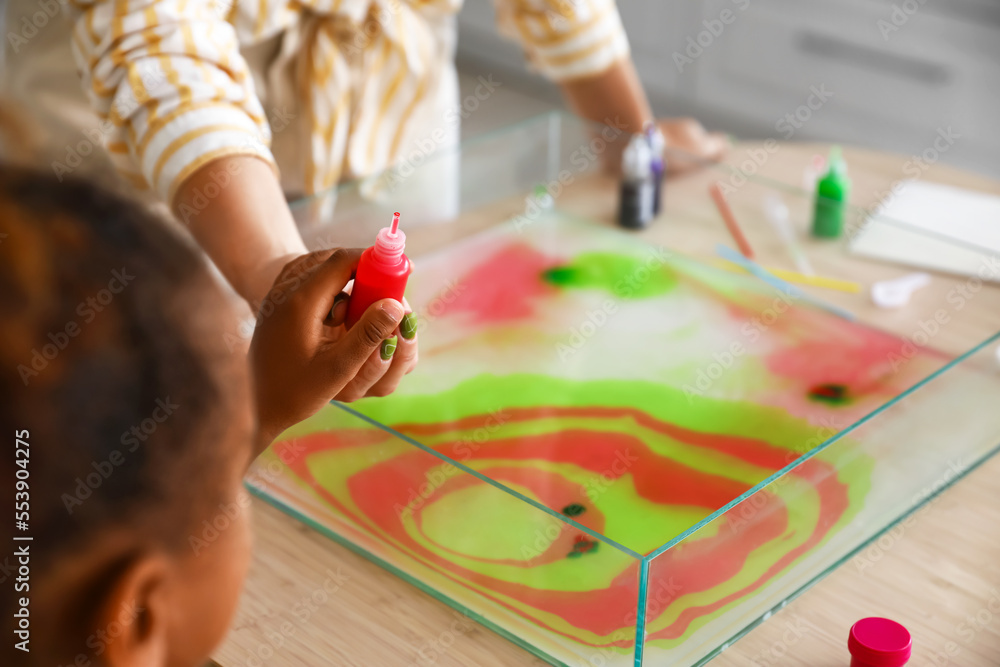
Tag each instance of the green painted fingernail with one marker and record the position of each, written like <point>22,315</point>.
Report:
<point>408,326</point>
<point>388,347</point>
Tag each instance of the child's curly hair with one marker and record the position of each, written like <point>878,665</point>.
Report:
<point>104,314</point>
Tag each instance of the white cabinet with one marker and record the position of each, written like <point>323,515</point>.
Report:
<point>892,79</point>
<point>893,72</point>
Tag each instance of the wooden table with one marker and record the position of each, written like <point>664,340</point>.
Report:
<point>310,601</point>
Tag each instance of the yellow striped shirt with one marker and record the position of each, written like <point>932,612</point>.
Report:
<point>170,77</point>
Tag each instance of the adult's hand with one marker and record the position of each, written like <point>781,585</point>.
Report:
<point>690,145</point>
<point>615,98</point>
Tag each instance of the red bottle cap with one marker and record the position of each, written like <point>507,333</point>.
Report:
<point>879,642</point>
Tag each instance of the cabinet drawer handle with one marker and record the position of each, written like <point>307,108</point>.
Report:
<point>868,58</point>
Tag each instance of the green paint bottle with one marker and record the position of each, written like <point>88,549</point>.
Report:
<point>832,194</point>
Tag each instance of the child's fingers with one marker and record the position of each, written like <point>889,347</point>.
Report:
<point>367,376</point>
<point>344,360</point>
<point>339,311</point>
<point>403,360</point>
<point>327,281</point>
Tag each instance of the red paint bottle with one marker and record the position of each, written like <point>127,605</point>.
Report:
<point>381,274</point>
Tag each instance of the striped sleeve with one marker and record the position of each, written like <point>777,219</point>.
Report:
<point>170,85</point>
<point>565,39</point>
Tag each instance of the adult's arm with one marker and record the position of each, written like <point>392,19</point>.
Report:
<point>582,46</point>
<point>180,116</point>
<point>246,227</point>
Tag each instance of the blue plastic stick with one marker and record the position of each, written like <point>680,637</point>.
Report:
<point>760,272</point>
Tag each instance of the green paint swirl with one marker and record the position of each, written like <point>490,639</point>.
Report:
<point>624,276</point>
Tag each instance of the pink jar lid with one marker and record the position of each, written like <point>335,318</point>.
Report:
<point>879,642</point>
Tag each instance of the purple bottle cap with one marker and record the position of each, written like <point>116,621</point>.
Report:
<point>879,642</point>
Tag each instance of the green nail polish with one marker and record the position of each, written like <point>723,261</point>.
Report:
<point>408,326</point>
<point>387,349</point>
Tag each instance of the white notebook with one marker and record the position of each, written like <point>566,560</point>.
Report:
<point>935,227</point>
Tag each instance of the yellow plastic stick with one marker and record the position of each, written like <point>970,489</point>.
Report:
<point>798,278</point>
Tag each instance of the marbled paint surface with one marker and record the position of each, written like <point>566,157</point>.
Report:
<point>631,390</point>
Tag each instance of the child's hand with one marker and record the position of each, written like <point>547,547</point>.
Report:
<point>301,354</point>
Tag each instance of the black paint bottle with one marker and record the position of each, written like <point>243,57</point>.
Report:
<point>638,190</point>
